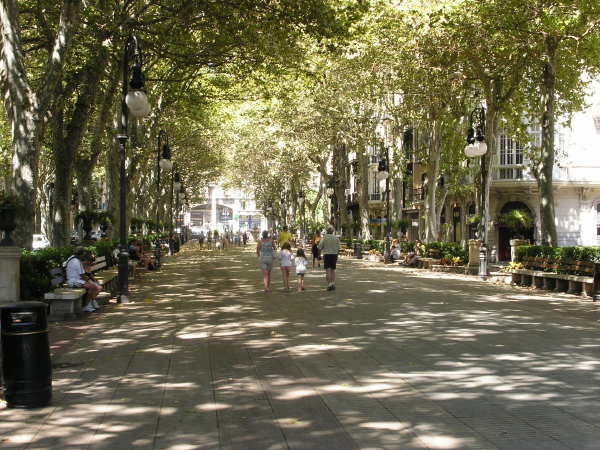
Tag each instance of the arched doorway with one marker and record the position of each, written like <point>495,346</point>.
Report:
<point>505,234</point>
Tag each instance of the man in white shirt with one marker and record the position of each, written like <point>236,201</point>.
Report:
<point>330,246</point>
<point>76,278</point>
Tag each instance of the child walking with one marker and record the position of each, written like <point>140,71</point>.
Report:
<point>285,258</point>
<point>301,264</point>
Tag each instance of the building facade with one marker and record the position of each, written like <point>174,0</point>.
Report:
<point>226,210</point>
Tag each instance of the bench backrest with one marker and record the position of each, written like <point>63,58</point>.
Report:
<point>99,264</point>
<point>585,268</point>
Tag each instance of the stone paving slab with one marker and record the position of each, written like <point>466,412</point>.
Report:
<point>395,358</point>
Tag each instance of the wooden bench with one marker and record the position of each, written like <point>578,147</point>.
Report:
<point>107,277</point>
<point>573,277</point>
<point>67,303</point>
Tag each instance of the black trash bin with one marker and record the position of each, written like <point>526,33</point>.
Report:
<point>26,366</point>
<point>358,251</point>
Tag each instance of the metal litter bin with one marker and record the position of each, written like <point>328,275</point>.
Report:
<point>358,251</point>
<point>26,366</point>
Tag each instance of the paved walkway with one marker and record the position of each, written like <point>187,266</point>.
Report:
<point>393,359</point>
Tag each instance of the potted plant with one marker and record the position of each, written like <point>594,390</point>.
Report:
<point>403,224</point>
<point>8,213</point>
<point>517,220</point>
<point>475,219</point>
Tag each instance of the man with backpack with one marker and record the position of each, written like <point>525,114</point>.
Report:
<point>78,278</point>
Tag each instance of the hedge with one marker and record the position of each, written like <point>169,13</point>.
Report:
<point>36,265</point>
<point>591,254</point>
<point>443,250</point>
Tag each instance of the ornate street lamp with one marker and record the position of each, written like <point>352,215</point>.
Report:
<point>133,100</point>
<point>477,147</point>
<point>163,161</point>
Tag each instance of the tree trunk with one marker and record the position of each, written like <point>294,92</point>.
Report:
<point>112,178</point>
<point>340,158</point>
<point>26,111</point>
<point>432,218</point>
<point>363,193</point>
<point>544,173</point>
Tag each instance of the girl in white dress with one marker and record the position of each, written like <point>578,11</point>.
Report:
<point>301,264</point>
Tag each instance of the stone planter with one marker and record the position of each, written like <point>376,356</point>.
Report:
<point>473,267</point>
<point>514,243</point>
<point>373,258</point>
<point>7,223</point>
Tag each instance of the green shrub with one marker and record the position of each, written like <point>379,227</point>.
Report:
<point>588,254</point>
<point>36,266</point>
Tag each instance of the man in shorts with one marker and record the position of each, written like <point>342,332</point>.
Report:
<point>330,247</point>
<point>77,278</point>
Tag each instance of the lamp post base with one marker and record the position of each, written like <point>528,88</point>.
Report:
<point>483,262</point>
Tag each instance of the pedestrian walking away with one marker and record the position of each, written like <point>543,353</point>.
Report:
<point>266,255</point>
<point>301,263</point>
<point>316,252</point>
<point>285,258</point>
<point>330,245</point>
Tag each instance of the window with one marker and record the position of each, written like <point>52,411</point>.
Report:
<point>511,155</point>
<point>374,188</point>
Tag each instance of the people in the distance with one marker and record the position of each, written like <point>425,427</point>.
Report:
<point>265,250</point>
<point>316,252</point>
<point>284,237</point>
<point>396,251</point>
<point>77,278</point>
<point>301,263</point>
<point>330,246</point>
<point>134,251</point>
<point>245,238</point>
<point>285,259</point>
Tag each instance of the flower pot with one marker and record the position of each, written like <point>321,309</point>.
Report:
<point>7,223</point>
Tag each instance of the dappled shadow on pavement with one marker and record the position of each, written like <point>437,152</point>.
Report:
<point>392,359</point>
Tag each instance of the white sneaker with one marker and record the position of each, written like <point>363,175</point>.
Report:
<point>95,304</point>
<point>89,308</point>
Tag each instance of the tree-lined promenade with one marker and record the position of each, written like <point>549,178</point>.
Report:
<point>262,94</point>
<point>393,358</point>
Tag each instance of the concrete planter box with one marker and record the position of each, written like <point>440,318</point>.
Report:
<point>374,258</point>
<point>448,269</point>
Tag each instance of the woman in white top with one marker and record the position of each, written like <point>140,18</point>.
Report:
<point>285,258</point>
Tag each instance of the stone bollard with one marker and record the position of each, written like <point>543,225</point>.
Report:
<point>514,243</point>
<point>473,267</point>
<point>10,275</point>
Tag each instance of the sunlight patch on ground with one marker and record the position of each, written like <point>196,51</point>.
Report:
<point>295,394</point>
<point>197,335</point>
<point>212,407</point>
<point>375,387</point>
<point>389,426</point>
<point>445,442</point>
<point>310,349</point>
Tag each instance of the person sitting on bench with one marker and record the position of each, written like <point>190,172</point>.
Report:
<point>77,278</point>
<point>412,258</point>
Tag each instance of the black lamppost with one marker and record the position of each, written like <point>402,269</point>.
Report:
<point>133,100</point>
<point>331,194</point>
<point>178,206</point>
<point>383,173</point>
<point>163,161</point>
<point>476,146</point>
<point>175,187</point>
